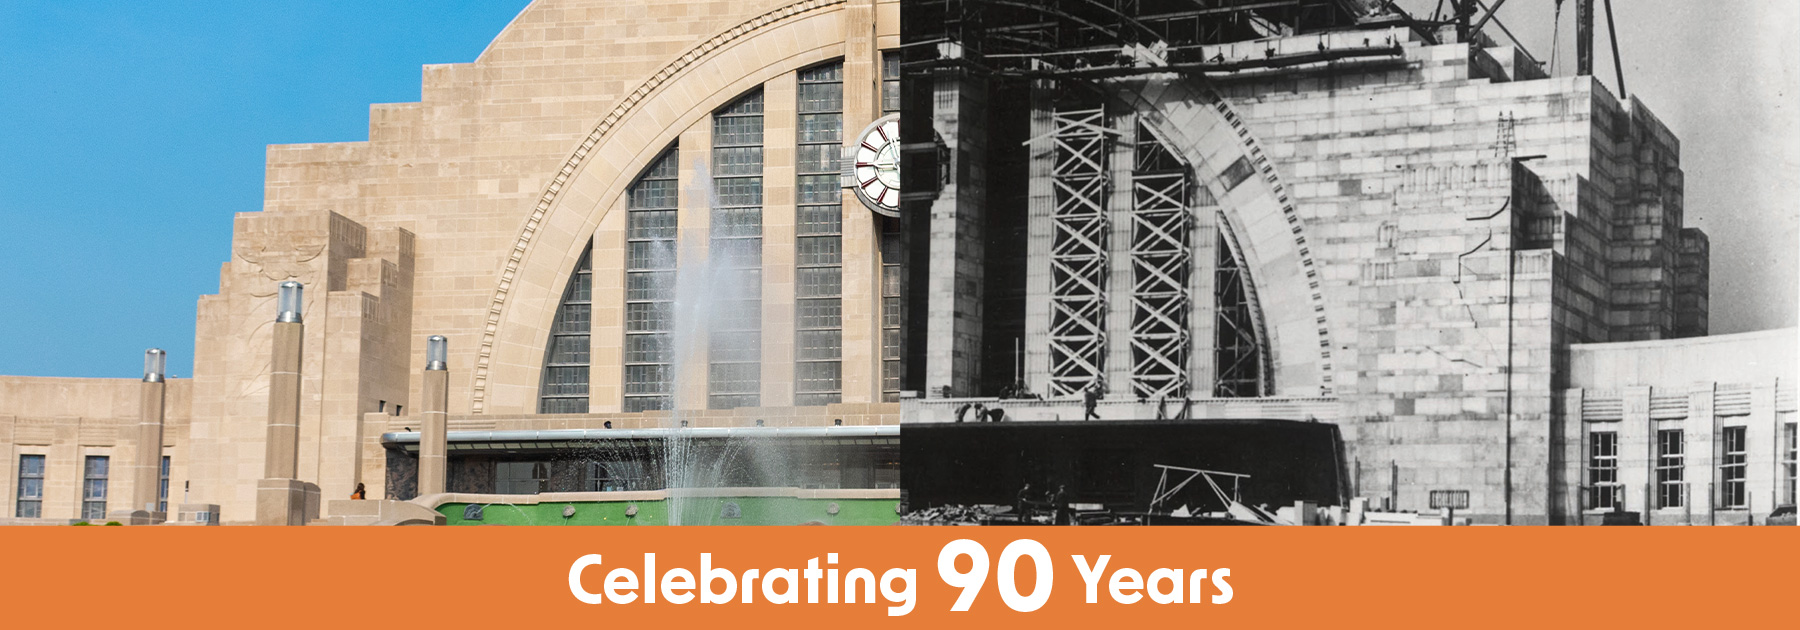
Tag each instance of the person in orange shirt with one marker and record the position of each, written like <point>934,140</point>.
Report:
<point>358,495</point>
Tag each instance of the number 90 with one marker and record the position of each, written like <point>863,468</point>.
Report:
<point>971,581</point>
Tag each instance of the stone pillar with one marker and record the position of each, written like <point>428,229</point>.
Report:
<point>954,311</point>
<point>1121,208</point>
<point>280,498</point>
<point>282,454</point>
<point>147,475</point>
<point>434,432</point>
<point>778,251</point>
<point>1637,451</point>
<point>1763,448</point>
<point>860,357</point>
<point>146,467</point>
<point>693,357</point>
<point>1701,439</point>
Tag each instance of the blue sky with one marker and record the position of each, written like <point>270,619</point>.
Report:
<point>131,132</point>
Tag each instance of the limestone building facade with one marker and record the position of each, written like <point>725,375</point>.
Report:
<point>1698,431</point>
<point>563,209</point>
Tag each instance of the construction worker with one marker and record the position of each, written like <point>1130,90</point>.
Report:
<point>1091,398</point>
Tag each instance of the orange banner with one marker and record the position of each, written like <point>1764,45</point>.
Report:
<point>1258,577</point>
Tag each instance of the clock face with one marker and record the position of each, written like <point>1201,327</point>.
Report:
<point>877,169</point>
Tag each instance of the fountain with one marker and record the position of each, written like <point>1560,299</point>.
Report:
<point>705,279</point>
<point>704,478</point>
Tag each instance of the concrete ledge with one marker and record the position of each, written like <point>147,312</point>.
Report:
<point>380,512</point>
<point>136,517</point>
<point>434,501</point>
<point>1323,409</point>
<point>10,522</point>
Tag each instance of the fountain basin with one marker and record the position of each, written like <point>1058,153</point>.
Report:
<point>698,506</point>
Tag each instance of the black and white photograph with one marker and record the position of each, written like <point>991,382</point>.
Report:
<point>1349,262</point>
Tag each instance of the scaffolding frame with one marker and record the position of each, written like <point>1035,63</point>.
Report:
<point>1080,232</point>
<point>1161,266</point>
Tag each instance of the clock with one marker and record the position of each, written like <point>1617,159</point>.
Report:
<point>875,166</point>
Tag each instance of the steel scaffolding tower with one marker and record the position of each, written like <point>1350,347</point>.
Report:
<point>1161,260</point>
<point>1078,261</point>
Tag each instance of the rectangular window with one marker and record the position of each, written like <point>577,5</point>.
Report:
<point>890,308</point>
<point>1733,491</point>
<point>648,380</point>
<point>819,251</point>
<point>818,282</point>
<point>565,382</point>
<point>31,487</point>
<point>1790,457</point>
<point>736,346</point>
<point>601,479</point>
<point>1603,471</point>
<point>818,246</point>
<point>818,376</point>
<point>819,344</point>
<point>93,487</point>
<point>1239,171</point>
<point>813,314</point>
<point>162,487</point>
<point>642,286</point>
<point>521,477</point>
<point>1671,486</point>
<point>890,82</point>
<point>658,189</point>
<point>569,349</point>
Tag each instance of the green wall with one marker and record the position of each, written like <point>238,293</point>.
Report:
<point>694,511</point>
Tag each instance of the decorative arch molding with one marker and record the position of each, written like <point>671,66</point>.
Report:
<point>1200,125</point>
<point>581,193</point>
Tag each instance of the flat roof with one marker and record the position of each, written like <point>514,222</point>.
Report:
<point>660,433</point>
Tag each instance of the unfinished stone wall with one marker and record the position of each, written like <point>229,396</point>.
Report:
<point>1425,231</point>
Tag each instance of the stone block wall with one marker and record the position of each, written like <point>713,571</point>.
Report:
<point>480,168</point>
<point>1693,273</point>
<point>357,313</point>
<point>1699,388</point>
<point>464,213</point>
<point>67,420</point>
<point>1426,230</point>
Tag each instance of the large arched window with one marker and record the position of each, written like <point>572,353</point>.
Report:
<point>565,381</point>
<point>818,244</point>
<point>735,258</point>
<point>650,268</point>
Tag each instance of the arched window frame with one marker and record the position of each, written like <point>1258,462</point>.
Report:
<point>652,211</point>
